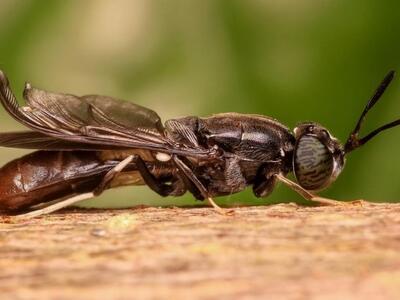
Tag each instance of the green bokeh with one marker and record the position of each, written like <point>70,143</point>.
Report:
<point>293,60</point>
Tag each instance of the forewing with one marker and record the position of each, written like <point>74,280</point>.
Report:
<point>124,113</point>
<point>38,140</point>
<point>91,119</point>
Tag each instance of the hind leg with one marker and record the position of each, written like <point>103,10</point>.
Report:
<point>80,197</point>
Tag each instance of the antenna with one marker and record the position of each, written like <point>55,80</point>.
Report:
<point>353,142</point>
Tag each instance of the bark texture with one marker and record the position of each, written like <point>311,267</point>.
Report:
<point>275,252</point>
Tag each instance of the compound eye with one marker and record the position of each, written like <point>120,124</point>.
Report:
<point>313,164</point>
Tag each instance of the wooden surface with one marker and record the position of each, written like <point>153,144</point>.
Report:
<point>280,251</point>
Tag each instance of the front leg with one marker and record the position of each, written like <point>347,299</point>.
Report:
<point>311,197</point>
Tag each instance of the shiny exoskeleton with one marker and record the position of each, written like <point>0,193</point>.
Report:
<point>91,143</point>
<point>252,150</point>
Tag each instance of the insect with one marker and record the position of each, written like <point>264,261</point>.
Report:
<point>92,143</point>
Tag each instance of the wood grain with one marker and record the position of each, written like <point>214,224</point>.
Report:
<point>279,252</point>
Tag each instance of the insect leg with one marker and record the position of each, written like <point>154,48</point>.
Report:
<point>53,207</point>
<point>188,173</point>
<point>151,181</point>
<point>80,197</point>
<point>311,197</point>
<point>265,180</point>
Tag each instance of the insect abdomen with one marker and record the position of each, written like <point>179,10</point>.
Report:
<point>44,176</point>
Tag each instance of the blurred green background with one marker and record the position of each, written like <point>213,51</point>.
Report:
<point>290,59</point>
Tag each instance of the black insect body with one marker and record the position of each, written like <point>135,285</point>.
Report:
<point>92,143</point>
<point>251,149</point>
